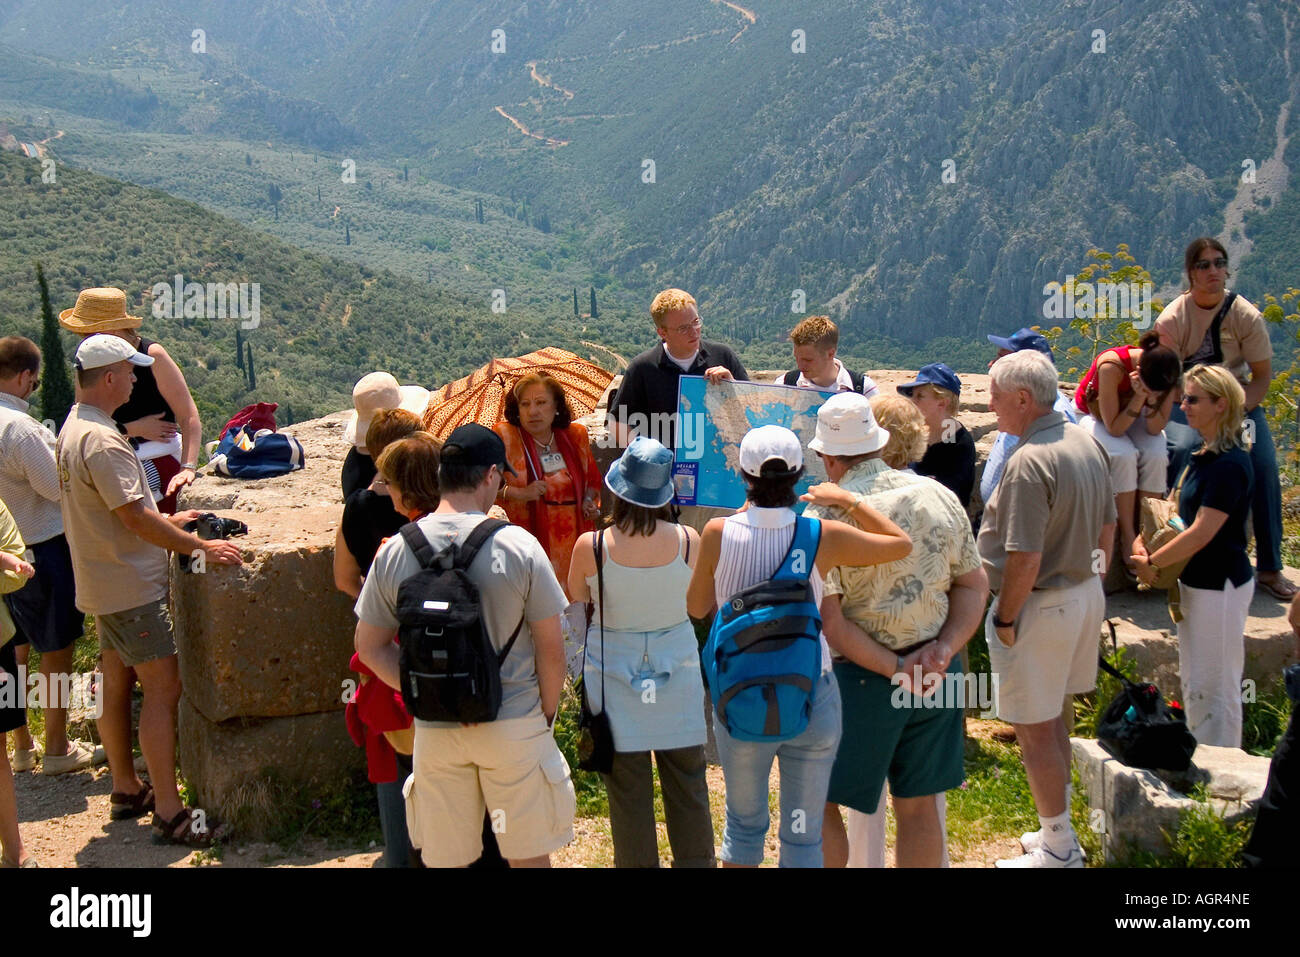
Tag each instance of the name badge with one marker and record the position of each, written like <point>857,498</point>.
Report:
<point>552,462</point>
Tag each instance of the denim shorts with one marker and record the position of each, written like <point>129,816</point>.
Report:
<point>805,764</point>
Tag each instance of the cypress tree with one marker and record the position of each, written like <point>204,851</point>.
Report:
<point>252,375</point>
<point>56,386</point>
<point>318,194</point>
<point>576,314</point>
<point>594,313</point>
<point>347,235</point>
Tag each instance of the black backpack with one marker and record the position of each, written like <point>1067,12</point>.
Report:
<point>858,379</point>
<point>450,669</point>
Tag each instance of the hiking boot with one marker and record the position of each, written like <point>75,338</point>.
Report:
<point>25,758</point>
<point>1042,857</point>
<point>80,756</point>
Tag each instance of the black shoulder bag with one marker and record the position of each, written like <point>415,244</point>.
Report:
<point>595,737</point>
<point>1140,728</point>
<point>1216,326</point>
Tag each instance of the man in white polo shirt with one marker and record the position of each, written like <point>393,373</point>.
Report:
<point>45,610</point>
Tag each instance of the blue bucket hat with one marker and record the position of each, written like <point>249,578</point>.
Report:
<point>1024,338</point>
<point>936,373</point>
<point>643,475</point>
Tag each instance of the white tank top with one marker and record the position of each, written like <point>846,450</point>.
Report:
<point>754,543</point>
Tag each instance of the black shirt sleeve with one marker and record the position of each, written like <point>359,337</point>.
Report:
<point>631,393</point>
<point>952,464</point>
<point>358,472</point>
<point>1224,486</point>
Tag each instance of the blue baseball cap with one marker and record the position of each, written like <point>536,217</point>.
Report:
<point>936,373</point>
<point>1024,339</point>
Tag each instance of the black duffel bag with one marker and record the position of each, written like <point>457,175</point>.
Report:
<point>1140,728</point>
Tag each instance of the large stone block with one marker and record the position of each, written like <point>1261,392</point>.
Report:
<point>1136,809</point>
<point>273,637</point>
<point>1143,627</point>
<point>243,770</point>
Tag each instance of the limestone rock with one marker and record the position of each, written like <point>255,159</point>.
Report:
<point>1139,809</point>
<point>244,770</point>
<point>273,637</point>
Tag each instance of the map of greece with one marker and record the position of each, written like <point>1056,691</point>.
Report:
<point>713,418</point>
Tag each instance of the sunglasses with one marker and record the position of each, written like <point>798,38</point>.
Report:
<point>1203,264</point>
<point>683,330</point>
<point>1193,399</point>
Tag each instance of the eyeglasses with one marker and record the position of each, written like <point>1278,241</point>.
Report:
<point>1201,265</point>
<point>1191,399</point>
<point>689,327</point>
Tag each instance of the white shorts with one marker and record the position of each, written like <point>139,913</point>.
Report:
<point>1058,634</point>
<point>511,769</point>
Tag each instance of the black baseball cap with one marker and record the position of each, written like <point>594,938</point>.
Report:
<point>474,444</point>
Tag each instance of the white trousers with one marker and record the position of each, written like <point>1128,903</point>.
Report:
<point>1137,460</point>
<point>867,832</point>
<point>1211,658</point>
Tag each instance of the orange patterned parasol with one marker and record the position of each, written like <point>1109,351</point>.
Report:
<point>481,396</point>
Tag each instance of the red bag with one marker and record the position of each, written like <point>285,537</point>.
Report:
<point>257,417</point>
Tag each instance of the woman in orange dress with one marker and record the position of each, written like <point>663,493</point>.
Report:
<point>555,491</point>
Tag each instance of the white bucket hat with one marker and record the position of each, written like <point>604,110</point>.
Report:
<point>376,392</point>
<point>846,426</point>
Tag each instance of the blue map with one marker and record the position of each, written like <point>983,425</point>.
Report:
<point>713,418</point>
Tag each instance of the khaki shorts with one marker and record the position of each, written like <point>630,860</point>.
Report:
<point>1057,637</point>
<point>512,769</point>
<point>138,634</point>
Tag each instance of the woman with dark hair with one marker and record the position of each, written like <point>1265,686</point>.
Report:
<point>160,418</point>
<point>555,493</point>
<point>1208,325</point>
<point>641,641</point>
<point>1215,587</point>
<point>1126,397</point>
<point>370,515</point>
<point>748,548</point>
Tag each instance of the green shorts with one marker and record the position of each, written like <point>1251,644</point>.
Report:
<point>138,634</point>
<point>918,749</point>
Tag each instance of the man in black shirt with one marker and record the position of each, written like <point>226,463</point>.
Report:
<point>646,403</point>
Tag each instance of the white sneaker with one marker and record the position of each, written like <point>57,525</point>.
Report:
<point>80,756</point>
<point>1042,857</point>
<point>1031,841</point>
<point>25,759</point>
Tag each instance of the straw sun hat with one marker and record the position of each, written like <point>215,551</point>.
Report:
<point>102,309</point>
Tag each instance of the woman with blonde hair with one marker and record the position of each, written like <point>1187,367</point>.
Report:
<point>949,456</point>
<point>906,427</point>
<point>1216,586</point>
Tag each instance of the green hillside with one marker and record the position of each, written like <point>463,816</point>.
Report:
<point>324,322</point>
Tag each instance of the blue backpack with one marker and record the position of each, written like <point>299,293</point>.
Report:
<point>764,655</point>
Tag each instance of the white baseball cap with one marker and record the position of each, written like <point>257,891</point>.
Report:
<point>846,426</point>
<point>102,349</point>
<point>768,442</point>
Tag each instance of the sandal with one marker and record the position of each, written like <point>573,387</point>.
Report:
<point>185,829</point>
<point>126,806</point>
<point>28,861</point>
<point>1279,588</point>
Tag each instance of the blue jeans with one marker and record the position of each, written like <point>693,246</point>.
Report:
<point>1266,506</point>
<point>805,765</point>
